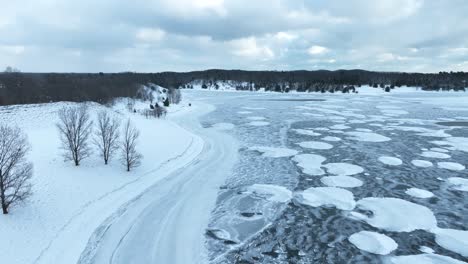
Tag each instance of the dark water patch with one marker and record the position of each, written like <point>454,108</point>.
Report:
<point>453,123</point>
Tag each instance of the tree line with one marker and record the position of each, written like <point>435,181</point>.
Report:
<point>25,88</point>
<point>77,133</point>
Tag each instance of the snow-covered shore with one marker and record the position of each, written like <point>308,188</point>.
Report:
<point>70,202</point>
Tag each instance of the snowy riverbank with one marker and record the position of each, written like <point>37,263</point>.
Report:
<point>69,202</point>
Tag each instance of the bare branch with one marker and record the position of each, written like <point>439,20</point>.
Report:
<point>129,156</point>
<point>107,135</point>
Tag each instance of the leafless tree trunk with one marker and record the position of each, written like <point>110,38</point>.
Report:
<point>107,135</point>
<point>15,171</point>
<point>174,95</point>
<point>130,157</point>
<point>75,127</point>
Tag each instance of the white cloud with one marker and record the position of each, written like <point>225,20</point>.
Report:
<point>386,57</point>
<point>285,36</point>
<point>248,47</point>
<point>150,34</point>
<point>12,49</point>
<point>317,50</point>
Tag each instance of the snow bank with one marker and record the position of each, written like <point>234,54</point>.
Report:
<point>310,163</point>
<point>422,163</point>
<point>419,193</point>
<point>367,136</point>
<point>373,242</point>
<point>274,152</point>
<point>328,196</point>
<point>315,145</point>
<point>395,215</point>
<point>453,240</point>
<point>392,161</point>
<point>341,181</point>
<point>451,166</point>
<point>343,169</point>
<point>272,193</point>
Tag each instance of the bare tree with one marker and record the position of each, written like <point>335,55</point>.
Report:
<point>15,171</point>
<point>174,96</point>
<point>130,157</point>
<point>107,135</point>
<point>75,127</point>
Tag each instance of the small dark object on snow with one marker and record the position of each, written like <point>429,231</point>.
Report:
<point>151,106</point>
<point>189,104</point>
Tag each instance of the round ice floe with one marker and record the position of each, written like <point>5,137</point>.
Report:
<point>306,132</point>
<point>331,139</point>
<point>244,112</point>
<point>451,166</point>
<point>395,215</point>
<point>254,108</point>
<point>328,196</point>
<point>341,181</point>
<point>419,193</point>
<point>363,130</point>
<point>321,129</point>
<point>393,112</point>
<point>315,145</point>
<point>422,163</point>
<point>367,136</point>
<point>343,169</point>
<point>453,240</point>
<point>373,242</point>
<point>440,150</point>
<point>274,152</point>
<point>256,118</point>
<point>425,249</point>
<point>223,126</point>
<point>272,193</point>
<point>258,123</point>
<point>392,161</point>
<point>435,155</point>
<point>425,259</point>
<point>458,183</point>
<point>310,163</point>
<point>340,127</point>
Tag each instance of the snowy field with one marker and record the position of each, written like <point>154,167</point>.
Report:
<point>243,177</point>
<point>366,178</point>
<point>69,202</point>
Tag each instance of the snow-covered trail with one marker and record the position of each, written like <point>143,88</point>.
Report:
<point>167,223</point>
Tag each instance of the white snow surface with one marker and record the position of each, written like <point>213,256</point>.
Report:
<point>343,169</point>
<point>315,145</point>
<point>341,181</point>
<point>419,193</point>
<point>451,166</point>
<point>422,163</point>
<point>396,215</point>
<point>310,163</point>
<point>453,240</point>
<point>373,242</point>
<point>69,202</point>
<point>392,161</point>
<point>273,152</point>
<point>273,193</point>
<point>328,196</point>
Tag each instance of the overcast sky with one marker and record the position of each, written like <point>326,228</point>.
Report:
<point>183,35</point>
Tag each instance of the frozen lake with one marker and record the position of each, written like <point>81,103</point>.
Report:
<point>316,169</point>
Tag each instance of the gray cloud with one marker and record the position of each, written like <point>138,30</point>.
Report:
<point>160,35</point>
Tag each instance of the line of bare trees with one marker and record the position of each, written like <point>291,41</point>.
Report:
<point>76,130</point>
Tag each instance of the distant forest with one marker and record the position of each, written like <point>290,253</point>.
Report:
<point>25,88</point>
